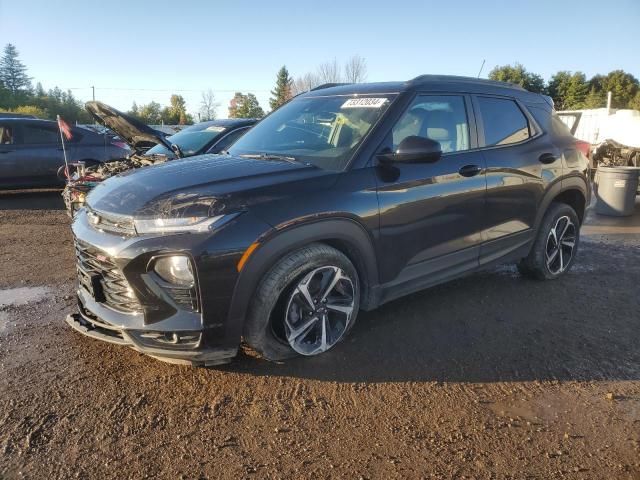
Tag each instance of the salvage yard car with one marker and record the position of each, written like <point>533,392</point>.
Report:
<point>149,147</point>
<point>345,198</point>
<point>31,151</point>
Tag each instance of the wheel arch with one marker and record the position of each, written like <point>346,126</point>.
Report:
<point>343,234</point>
<point>572,191</point>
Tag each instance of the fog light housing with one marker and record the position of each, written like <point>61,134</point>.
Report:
<point>168,340</point>
<point>175,270</point>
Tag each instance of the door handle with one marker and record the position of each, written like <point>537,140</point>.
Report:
<point>547,158</point>
<point>470,170</point>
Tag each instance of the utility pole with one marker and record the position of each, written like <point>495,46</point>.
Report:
<point>94,92</point>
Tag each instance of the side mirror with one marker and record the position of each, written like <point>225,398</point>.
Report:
<point>414,149</point>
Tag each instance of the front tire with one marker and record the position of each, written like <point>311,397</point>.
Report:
<point>304,305</point>
<point>555,246</point>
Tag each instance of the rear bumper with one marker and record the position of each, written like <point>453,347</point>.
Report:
<point>199,356</point>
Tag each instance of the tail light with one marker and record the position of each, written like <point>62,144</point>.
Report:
<point>584,147</point>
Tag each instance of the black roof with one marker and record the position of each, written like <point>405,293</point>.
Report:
<point>433,83</point>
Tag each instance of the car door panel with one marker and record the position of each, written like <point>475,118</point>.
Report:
<point>518,173</point>
<point>431,214</point>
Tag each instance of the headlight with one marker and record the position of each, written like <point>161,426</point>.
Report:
<point>175,269</point>
<point>182,224</point>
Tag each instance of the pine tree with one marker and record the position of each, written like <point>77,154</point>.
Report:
<point>13,73</point>
<point>282,92</point>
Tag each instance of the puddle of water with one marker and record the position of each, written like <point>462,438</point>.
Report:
<point>22,295</point>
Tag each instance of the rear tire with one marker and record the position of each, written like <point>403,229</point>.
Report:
<point>304,305</point>
<point>555,246</point>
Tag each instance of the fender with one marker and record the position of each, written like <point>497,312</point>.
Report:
<point>275,244</point>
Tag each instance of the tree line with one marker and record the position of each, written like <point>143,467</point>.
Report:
<point>569,90</point>
<point>572,90</point>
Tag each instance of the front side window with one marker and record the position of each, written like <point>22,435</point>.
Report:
<point>40,134</point>
<point>503,121</point>
<point>442,118</point>
<point>322,131</point>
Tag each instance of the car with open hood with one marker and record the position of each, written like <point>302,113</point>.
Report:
<point>343,199</point>
<point>148,147</point>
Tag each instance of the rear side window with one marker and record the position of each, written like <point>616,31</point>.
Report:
<point>38,134</point>
<point>503,121</point>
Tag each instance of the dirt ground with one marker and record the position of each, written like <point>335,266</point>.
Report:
<point>491,376</point>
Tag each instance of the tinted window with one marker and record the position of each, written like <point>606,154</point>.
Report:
<point>40,134</point>
<point>440,118</point>
<point>227,141</point>
<point>503,121</point>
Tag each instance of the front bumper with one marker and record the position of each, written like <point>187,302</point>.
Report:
<point>91,326</point>
<point>158,314</point>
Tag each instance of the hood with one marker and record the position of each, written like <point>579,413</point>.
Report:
<point>138,136</point>
<point>201,185</point>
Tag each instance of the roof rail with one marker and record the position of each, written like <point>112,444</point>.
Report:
<point>455,78</point>
<point>328,85</point>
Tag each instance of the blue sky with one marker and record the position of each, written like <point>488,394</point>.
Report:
<point>145,50</point>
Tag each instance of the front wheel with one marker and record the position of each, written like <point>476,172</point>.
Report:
<point>304,305</point>
<point>555,246</point>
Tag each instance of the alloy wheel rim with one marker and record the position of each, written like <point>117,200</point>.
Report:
<point>319,310</point>
<point>561,243</point>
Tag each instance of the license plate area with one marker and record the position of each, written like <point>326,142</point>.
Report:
<point>91,282</point>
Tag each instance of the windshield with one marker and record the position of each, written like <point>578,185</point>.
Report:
<point>322,131</point>
<point>189,141</point>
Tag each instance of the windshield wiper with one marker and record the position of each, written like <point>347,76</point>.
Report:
<point>270,156</point>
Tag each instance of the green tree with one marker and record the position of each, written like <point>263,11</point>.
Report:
<point>245,106</point>
<point>134,111</point>
<point>595,99</point>
<point>634,103</point>
<point>282,92</point>
<point>13,73</point>
<point>151,113</point>
<point>519,75</point>
<point>568,90</point>
<point>623,87</point>
<point>176,112</point>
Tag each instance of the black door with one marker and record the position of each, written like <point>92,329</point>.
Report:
<point>521,162</point>
<point>431,214</point>
<point>40,154</point>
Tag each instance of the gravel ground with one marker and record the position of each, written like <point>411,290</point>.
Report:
<point>490,376</point>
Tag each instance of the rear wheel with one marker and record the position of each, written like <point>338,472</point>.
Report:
<point>304,305</point>
<point>556,245</point>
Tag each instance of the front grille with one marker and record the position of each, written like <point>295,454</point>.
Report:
<point>101,278</point>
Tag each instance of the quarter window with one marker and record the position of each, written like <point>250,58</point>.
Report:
<point>442,118</point>
<point>503,121</point>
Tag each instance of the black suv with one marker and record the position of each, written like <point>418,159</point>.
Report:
<point>345,198</point>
